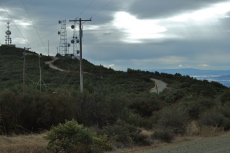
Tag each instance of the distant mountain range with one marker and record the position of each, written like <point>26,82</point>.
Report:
<point>192,72</point>
<point>221,76</point>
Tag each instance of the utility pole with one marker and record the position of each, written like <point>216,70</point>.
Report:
<point>80,35</point>
<point>48,47</point>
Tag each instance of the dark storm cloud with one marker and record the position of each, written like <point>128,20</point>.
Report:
<point>186,43</point>
<point>166,8</point>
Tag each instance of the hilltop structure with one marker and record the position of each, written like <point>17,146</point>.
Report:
<point>8,40</point>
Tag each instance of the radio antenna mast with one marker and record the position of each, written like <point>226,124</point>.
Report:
<point>8,33</point>
<point>63,46</point>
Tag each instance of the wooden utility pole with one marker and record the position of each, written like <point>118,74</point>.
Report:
<point>24,70</point>
<point>48,47</point>
<point>80,35</point>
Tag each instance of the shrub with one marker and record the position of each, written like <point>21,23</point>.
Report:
<point>142,139</point>
<point>1,127</point>
<point>101,143</point>
<point>100,110</point>
<point>163,134</point>
<point>65,137</point>
<point>207,131</point>
<point>196,107</point>
<point>72,137</point>
<point>125,135</point>
<point>10,108</point>
<point>174,118</point>
<point>146,107</point>
<point>214,118</point>
<point>225,97</point>
<point>121,134</point>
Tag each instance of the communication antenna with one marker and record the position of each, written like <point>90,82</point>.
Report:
<point>75,41</point>
<point>8,33</point>
<point>63,46</point>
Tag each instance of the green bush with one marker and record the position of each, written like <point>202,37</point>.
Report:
<point>1,127</point>
<point>100,110</point>
<point>66,137</point>
<point>121,133</point>
<point>145,107</point>
<point>101,143</point>
<point>196,107</point>
<point>174,118</point>
<point>214,118</point>
<point>225,97</point>
<point>142,139</point>
<point>10,108</point>
<point>72,137</point>
<point>163,134</point>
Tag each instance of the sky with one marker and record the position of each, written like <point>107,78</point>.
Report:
<point>136,34</point>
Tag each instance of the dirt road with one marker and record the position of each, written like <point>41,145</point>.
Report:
<point>159,86</point>
<point>217,144</point>
<point>50,63</point>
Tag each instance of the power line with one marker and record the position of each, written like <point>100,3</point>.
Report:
<point>103,7</point>
<point>33,24</point>
<point>86,7</point>
<point>44,36</point>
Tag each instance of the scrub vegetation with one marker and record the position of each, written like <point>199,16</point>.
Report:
<point>114,111</point>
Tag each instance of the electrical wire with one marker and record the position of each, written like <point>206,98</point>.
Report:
<point>27,77</point>
<point>33,24</point>
<point>86,7</point>
<point>67,82</point>
<point>45,36</point>
<point>103,7</point>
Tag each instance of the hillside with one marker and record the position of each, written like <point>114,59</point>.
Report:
<point>115,103</point>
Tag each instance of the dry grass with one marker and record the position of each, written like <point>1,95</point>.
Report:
<point>193,129</point>
<point>146,132</point>
<point>208,131</point>
<point>33,143</point>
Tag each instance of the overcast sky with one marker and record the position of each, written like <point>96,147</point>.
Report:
<point>137,34</point>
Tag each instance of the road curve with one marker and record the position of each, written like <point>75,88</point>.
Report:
<point>159,86</point>
<point>50,63</point>
<point>217,144</point>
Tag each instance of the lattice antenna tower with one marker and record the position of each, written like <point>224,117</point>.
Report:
<point>63,46</point>
<point>8,33</point>
<point>75,41</point>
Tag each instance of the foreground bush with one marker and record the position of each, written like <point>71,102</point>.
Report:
<point>163,135</point>
<point>214,118</point>
<point>126,135</point>
<point>174,118</point>
<point>1,127</point>
<point>71,137</point>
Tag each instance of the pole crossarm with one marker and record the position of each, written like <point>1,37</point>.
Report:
<point>79,20</point>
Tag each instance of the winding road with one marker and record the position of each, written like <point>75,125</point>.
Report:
<point>50,63</point>
<point>159,86</point>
